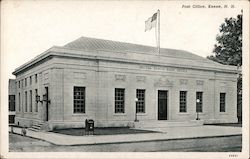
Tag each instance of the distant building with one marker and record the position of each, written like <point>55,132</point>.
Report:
<point>239,96</point>
<point>12,102</point>
<point>100,79</point>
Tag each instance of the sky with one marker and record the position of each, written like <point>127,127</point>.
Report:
<point>30,27</point>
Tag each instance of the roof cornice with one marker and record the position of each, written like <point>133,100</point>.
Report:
<point>97,55</point>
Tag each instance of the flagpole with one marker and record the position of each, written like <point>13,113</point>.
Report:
<point>158,12</point>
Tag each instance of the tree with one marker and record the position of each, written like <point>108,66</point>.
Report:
<point>228,50</point>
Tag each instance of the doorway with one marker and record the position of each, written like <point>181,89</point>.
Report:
<point>162,104</point>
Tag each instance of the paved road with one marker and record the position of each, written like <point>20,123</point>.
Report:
<point>217,144</point>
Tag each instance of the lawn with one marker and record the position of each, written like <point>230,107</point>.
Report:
<point>102,131</point>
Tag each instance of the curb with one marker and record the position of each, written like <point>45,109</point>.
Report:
<point>125,142</point>
<point>154,140</point>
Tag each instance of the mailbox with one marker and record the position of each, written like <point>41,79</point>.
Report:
<point>89,126</point>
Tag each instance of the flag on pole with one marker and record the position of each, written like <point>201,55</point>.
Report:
<point>151,22</point>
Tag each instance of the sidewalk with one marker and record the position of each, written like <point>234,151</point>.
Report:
<point>166,134</point>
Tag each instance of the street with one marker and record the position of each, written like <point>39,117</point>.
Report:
<point>212,144</point>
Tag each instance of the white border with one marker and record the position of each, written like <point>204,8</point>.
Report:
<point>246,97</point>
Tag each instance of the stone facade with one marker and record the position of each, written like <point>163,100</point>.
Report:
<point>101,71</point>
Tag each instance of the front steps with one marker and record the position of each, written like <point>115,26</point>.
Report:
<point>167,123</point>
<point>38,127</point>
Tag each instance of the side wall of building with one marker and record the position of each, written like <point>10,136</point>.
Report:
<point>28,111</point>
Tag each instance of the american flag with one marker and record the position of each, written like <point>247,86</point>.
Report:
<point>151,22</point>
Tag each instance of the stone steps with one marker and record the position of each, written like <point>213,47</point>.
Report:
<point>36,127</point>
<point>167,123</point>
<point>33,129</point>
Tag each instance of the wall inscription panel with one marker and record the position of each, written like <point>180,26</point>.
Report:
<point>140,78</point>
<point>163,81</point>
<point>183,81</point>
<point>199,82</point>
<point>80,75</point>
<point>120,77</point>
<point>162,68</point>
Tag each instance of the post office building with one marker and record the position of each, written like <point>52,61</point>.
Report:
<point>119,84</point>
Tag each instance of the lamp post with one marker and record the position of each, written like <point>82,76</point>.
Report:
<point>43,100</point>
<point>136,120</point>
<point>197,102</point>
<point>38,99</point>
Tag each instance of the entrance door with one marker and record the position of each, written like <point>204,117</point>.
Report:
<point>47,104</point>
<point>162,104</point>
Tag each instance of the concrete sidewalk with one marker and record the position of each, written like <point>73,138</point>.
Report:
<point>165,134</point>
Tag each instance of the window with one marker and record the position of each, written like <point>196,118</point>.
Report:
<point>19,84</point>
<point>36,106</point>
<point>31,100</point>
<point>119,100</point>
<point>19,102</point>
<point>183,101</point>
<point>26,106</point>
<point>198,101</point>
<point>12,102</point>
<point>79,99</point>
<point>140,104</point>
<point>30,80</point>
<point>35,78</point>
<point>25,82</point>
<point>222,102</point>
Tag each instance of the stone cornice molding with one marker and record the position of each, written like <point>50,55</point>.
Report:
<point>122,57</point>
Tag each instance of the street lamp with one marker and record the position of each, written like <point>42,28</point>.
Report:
<point>38,99</point>
<point>45,98</point>
<point>136,120</point>
<point>197,102</point>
